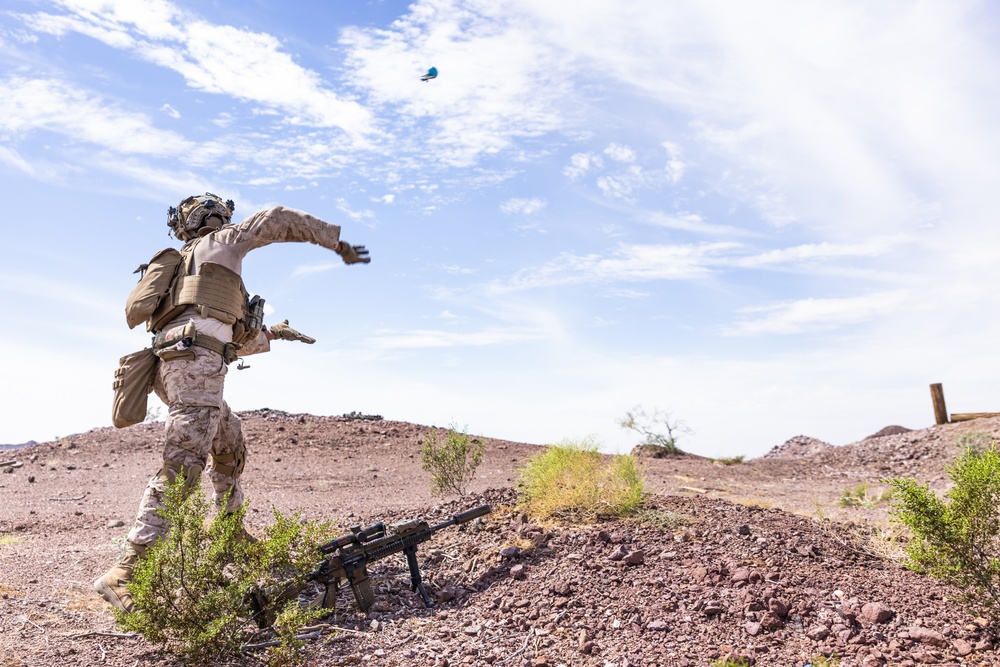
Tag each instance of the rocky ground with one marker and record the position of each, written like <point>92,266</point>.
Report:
<point>780,560</point>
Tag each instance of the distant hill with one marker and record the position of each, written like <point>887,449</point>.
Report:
<point>23,444</point>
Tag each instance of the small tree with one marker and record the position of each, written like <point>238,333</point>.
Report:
<point>452,463</point>
<point>191,591</point>
<point>658,429</point>
<point>957,539</point>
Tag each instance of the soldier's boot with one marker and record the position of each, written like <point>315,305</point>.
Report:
<point>113,585</point>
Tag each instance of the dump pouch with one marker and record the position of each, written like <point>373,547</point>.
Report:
<point>133,382</point>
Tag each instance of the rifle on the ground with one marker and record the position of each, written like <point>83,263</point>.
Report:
<point>346,559</point>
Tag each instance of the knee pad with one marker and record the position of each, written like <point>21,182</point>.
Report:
<point>230,465</point>
<point>191,474</point>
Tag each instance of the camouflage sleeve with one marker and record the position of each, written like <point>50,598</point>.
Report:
<point>277,224</point>
<point>258,345</point>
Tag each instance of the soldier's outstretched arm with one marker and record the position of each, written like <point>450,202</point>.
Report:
<point>280,224</point>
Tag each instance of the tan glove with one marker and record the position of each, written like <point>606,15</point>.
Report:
<point>285,332</point>
<point>352,254</point>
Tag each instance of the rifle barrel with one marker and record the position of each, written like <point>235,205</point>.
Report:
<point>464,517</point>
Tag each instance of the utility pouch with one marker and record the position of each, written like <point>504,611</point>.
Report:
<point>133,382</point>
<point>173,354</point>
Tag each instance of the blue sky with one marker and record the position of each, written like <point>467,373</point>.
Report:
<point>767,219</point>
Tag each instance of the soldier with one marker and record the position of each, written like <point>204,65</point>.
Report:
<point>200,322</point>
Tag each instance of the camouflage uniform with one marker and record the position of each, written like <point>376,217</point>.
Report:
<point>199,423</point>
<point>200,427</point>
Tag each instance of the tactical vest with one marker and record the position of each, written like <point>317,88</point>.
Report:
<point>167,288</point>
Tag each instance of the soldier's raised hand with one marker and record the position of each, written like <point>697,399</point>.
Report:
<point>285,332</point>
<point>352,254</point>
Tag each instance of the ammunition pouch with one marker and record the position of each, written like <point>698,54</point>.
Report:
<point>231,464</point>
<point>133,382</point>
<point>191,475</point>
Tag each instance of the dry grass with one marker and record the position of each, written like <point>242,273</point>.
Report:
<point>6,540</point>
<point>755,501</point>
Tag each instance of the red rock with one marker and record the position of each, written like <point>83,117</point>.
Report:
<point>876,612</point>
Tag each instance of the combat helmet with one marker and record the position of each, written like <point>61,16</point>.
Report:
<point>199,215</point>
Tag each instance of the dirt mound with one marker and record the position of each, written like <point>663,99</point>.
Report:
<point>799,447</point>
<point>889,430</point>
<point>698,578</point>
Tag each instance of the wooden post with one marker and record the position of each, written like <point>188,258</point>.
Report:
<point>940,411</point>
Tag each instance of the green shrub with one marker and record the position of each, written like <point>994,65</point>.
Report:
<point>977,441</point>
<point>862,495</point>
<point>573,480</point>
<point>730,662</point>
<point>191,590</point>
<point>452,463</point>
<point>956,538</point>
<point>730,460</point>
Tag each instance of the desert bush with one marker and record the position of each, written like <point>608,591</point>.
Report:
<point>977,441</point>
<point>573,480</point>
<point>452,463</point>
<point>730,662</point>
<point>730,460</point>
<point>863,495</point>
<point>192,588</point>
<point>9,539</point>
<point>661,519</point>
<point>825,661</point>
<point>658,429</point>
<point>955,538</point>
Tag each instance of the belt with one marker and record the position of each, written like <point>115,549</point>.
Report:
<point>226,350</point>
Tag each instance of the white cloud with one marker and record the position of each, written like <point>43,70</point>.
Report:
<point>500,79</point>
<point>170,111</point>
<point>214,58</point>
<point>580,164</point>
<point>816,314</point>
<point>813,252</point>
<point>432,338</point>
<point>309,269</point>
<point>623,184</point>
<point>694,222</point>
<point>629,263</point>
<point>81,117</point>
<point>364,216</point>
<point>675,166</point>
<point>620,153</point>
<point>523,206</point>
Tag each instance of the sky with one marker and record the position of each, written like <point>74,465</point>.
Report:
<point>756,220</point>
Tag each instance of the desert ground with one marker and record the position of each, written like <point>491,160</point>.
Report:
<point>760,560</point>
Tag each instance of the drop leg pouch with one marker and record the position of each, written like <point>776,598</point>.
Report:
<point>133,382</point>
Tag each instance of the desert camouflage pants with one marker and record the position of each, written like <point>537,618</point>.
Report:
<point>199,423</point>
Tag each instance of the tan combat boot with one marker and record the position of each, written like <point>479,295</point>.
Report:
<point>113,585</point>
